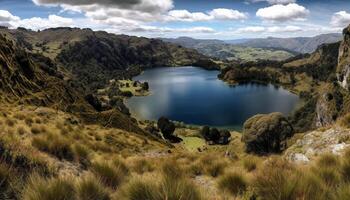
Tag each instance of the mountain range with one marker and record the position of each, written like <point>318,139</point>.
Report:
<point>297,44</point>
<point>256,49</point>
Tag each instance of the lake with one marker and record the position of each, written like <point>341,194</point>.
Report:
<point>196,96</point>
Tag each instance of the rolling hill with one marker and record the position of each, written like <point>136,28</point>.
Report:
<point>221,50</point>
<point>298,44</point>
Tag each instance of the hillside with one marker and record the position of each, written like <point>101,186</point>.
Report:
<point>298,44</point>
<point>59,140</point>
<point>221,50</point>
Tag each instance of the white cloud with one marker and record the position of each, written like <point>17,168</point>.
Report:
<point>278,29</point>
<point>6,16</point>
<point>184,15</point>
<point>251,29</point>
<point>273,29</point>
<point>149,6</point>
<point>35,23</point>
<point>215,14</point>
<point>280,13</point>
<point>227,14</point>
<point>275,1</point>
<point>340,19</point>
<point>169,30</point>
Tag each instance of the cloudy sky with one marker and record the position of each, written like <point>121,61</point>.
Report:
<point>220,19</point>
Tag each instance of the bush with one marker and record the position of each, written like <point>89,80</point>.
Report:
<point>42,189</point>
<point>166,127</point>
<point>277,180</point>
<point>81,154</point>
<point>234,183</point>
<point>327,160</point>
<point>55,145</point>
<point>329,175</point>
<point>141,166</point>
<point>174,189</point>
<point>110,175</point>
<point>141,189</point>
<point>216,168</point>
<point>91,188</point>
<point>250,163</point>
<point>345,170</point>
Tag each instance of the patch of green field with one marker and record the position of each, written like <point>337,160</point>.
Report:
<point>192,143</point>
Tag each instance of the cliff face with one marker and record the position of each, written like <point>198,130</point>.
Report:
<point>343,70</point>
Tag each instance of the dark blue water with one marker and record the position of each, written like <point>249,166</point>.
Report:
<point>196,96</point>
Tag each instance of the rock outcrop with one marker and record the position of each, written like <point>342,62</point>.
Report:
<point>343,70</point>
<point>268,133</point>
<point>334,140</point>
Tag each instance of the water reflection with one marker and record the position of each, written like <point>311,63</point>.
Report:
<point>196,96</point>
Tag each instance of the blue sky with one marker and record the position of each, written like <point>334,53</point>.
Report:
<point>217,19</point>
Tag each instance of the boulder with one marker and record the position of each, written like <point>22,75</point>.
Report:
<point>268,133</point>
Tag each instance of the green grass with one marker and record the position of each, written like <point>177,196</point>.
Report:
<point>192,143</point>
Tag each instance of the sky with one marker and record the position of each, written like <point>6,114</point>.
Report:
<point>203,19</point>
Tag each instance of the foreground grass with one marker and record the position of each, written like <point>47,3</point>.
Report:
<point>46,155</point>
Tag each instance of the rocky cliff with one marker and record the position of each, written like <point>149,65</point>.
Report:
<point>343,70</point>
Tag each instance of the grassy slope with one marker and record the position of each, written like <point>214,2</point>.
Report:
<point>52,154</point>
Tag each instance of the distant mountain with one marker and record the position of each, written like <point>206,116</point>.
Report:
<point>222,50</point>
<point>297,44</point>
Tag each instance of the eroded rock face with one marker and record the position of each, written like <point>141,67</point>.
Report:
<point>343,70</point>
<point>264,134</point>
<point>335,140</point>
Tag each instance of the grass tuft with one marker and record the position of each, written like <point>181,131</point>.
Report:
<point>234,183</point>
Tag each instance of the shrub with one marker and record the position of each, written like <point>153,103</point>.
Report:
<point>81,153</point>
<point>216,168</point>
<point>327,160</point>
<point>166,127</point>
<point>8,187</point>
<point>142,166</point>
<point>277,180</point>
<point>55,145</point>
<point>174,188</point>
<point>234,183</point>
<point>55,188</point>
<point>36,129</point>
<point>110,175</point>
<point>329,175</point>
<point>21,130</point>
<point>196,169</point>
<point>250,163</point>
<point>311,187</point>
<point>29,121</point>
<point>91,188</point>
<point>343,192</point>
<point>345,170</point>
<point>10,122</point>
<point>141,189</point>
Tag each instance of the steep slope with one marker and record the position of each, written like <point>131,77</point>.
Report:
<point>298,44</point>
<point>91,58</point>
<point>343,70</point>
<point>221,50</point>
<point>32,79</point>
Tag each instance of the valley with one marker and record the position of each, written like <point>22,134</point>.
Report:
<point>68,130</point>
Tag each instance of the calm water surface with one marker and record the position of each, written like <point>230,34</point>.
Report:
<point>196,96</point>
